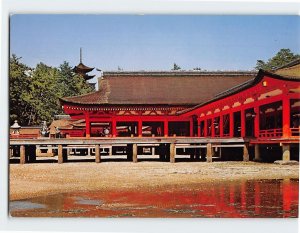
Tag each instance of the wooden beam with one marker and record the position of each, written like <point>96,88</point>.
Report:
<point>134,153</point>
<point>97,154</point>
<point>172,152</point>
<point>22,155</point>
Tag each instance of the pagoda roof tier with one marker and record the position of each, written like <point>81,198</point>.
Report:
<point>88,77</point>
<point>160,88</point>
<point>81,68</point>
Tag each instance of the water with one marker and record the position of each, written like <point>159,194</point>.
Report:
<point>229,199</point>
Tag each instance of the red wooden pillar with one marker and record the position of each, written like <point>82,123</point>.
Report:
<point>221,125</point>
<point>166,128</point>
<point>114,127</point>
<point>205,127</point>
<point>256,121</point>
<point>286,114</point>
<point>212,127</point>
<point>140,128</point>
<point>243,123</point>
<point>191,128</point>
<point>198,128</point>
<point>87,126</point>
<point>231,124</point>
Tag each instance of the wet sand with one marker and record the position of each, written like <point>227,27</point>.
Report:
<point>40,179</point>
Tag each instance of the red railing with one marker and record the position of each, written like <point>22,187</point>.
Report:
<point>295,132</point>
<point>270,133</point>
<point>24,136</point>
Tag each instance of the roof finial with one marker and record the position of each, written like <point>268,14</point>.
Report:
<point>80,55</point>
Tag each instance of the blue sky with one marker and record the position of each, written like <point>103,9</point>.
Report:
<point>152,42</point>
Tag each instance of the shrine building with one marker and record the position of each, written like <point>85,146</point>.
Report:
<point>263,107</point>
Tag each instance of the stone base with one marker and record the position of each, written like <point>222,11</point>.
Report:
<point>282,162</point>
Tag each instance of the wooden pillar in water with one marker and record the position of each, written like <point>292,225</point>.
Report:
<point>60,157</point>
<point>286,152</point>
<point>97,154</point>
<point>172,153</point>
<point>22,155</point>
<point>209,152</point>
<point>134,153</point>
<point>257,157</point>
<point>246,153</point>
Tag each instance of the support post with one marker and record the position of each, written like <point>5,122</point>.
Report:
<point>198,128</point>
<point>191,128</point>
<point>97,154</point>
<point>221,125</point>
<point>243,123</point>
<point>140,128</point>
<point>286,152</point>
<point>166,128</point>
<point>113,127</point>
<point>205,127</point>
<point>257,157</point>
<point>256,122</point>
<point>134,153</point>
<point>87,126</point>
<point>286,114</point>
<point>246,153</point>
<point>60,154</point>
<point>231,124</point>
<point>68,151</point>
<point>213,129</point>
<point>209,152</point>
<point>22,155</point>
<point>172,153</point>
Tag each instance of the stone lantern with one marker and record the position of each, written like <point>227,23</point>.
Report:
<point>16,128</point>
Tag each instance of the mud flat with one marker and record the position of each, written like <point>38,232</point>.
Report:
<point>33,180</point>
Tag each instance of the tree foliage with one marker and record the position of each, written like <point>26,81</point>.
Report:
<point>34,93</point>
<point>283,57</point>
<point>176,67</point>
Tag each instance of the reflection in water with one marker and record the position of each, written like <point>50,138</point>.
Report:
<point>239,199</point>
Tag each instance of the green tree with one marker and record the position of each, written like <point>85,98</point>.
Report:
<point>176,67</point>
<point>34,93</point>
<point>43,94</point>
<point>283,57</point>
<point>19,80</point>
<point>70,83</point>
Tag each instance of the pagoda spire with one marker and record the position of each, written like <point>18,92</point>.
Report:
<point>82,69</point>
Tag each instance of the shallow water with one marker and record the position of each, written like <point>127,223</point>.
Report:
<point>233,199</point>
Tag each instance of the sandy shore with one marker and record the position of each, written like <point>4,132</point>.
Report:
<point>32,180</point>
